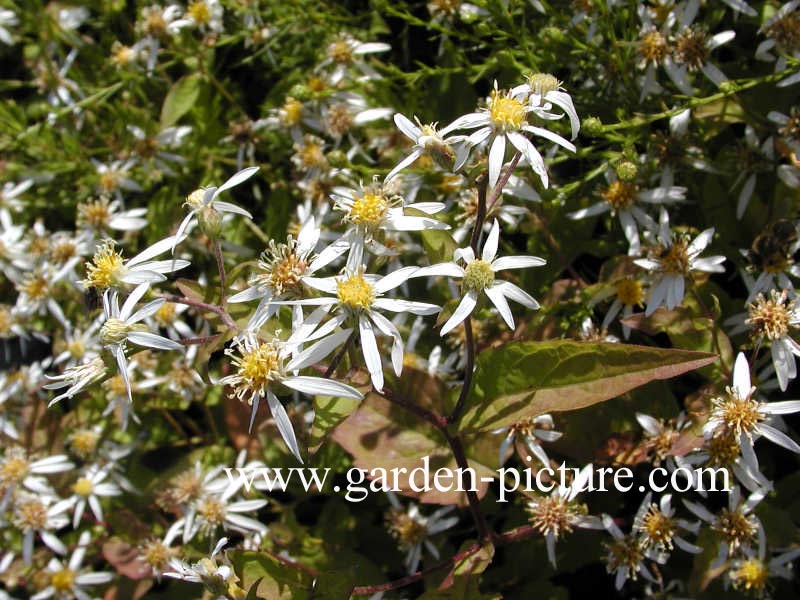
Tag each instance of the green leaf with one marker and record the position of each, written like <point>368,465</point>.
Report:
<point>439,245</point>
<point>180,99</point>
<point>471,566</point>
<point>385,438</point>
<point>271,579</point>
<point>328,413</point>
<point>560,375</point>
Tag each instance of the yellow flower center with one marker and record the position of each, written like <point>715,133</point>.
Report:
<point>340,52</point>
<point>114,331</point>
<point>199,12</point>
<point>739,414</point>
<point>542,83</point>
<point>105,268</point>
<point>121,54</point>
<point>551,514</point>
<point>675,259</point>
<point>311,156</point>
<point>109,181</point>
<point>5,321</point>
<point>292,112</point>
<point>658,528</point>
<point>96,214</point>
<point>317,84</point>
<point>154,23</point>
<point>735,528</point>
<point>76,349</point>
<point>752,574</point>
<point>478,275</point>
<point>116,385</point>
<point>83,487</point>
<point>195,199</point>
<point>14,470</point>
<point>157,555</point>
<point>259,366</point>
<point>405,529</point>
<point>212,511</point>
<point>63,250</point>
<point>625,553</point>
<point>629,292</point>
<point>62,580</point>
<point>505,112</point>
<point>620,194</point>
<point>31,515</point>
<point>369,209</point>
<point>771,317</point>
<point>84,442</point>
<point>166,313</point>
<point>653,47</point>
<point>723,450</point>
<point>339,120</point>
<point>36,286</point>
<point>355,292</point>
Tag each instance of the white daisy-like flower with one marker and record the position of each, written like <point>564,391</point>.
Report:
<point>544,91</point>
<point>202,14</point>
<point>781,31</point>
<point>262,367</point>
<point>412,529</point>
<point>346,52</point>
<point>10,193</point>
<point>76,378</point>
<point>428,141</point>
<point>628,293</point>
<point>211,512</point>
<point>672,261</point>
<point>371,209</point>
<point>203,203</point>
<point>108,269</point>
<point>621,197</point>
<point>113,177</point>
<point>478,275</point>
<point>102,214</point>
<point>68,581</point>
<point>19,472</point>
<point>772,318</point>
<point>624,556</point>
<point>557,513</point>
<point>748,418</point>
<point>504,120</point>
<point>154,148</point>
<point>89,489</point>
<point>531,432</point>
<point>122,325</point>
<point>37,515</point>
<point>158,23</point>
<point>220,580</point>
<point>357,298</point>
<point>659,529</point>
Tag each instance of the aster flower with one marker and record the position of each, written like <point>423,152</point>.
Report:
<point>202,14</point>
<point>544,91</point>
<point>122,326</point>
<point>10,193</point>
<point>624,556</point>
<point>659,529</point>
<point>108,269</point>
<point>113,177</point>
<point>220,580</point>
<point>628,293</point>
<point>100,215</point>
<point>154,148</point>
<point>751,573</point>
<point>89,489</point>
<point>558,513</point>
<point>672,261</point>
<point>503,121</point>
<point>771,319</point>
<point>204,205</point>
<point>68,581</point>
<point>781,30</point>
<point>478,275</point>
<point>374,208</point>
<point>261,367</point>
<point>621,197</point>
<point>427,141</point>
<point>356,297</point>
<point>19,472</point>
<point>76,378</point>
<point>412,529</point>
<point>7,19</point>
<point>37,515</point>
<point>211,512</point>
<point>746,417</point>
<point>531,432</point>
<point>346,52</point>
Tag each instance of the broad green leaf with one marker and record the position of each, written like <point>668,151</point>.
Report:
<point>524,379</point>
<point>271,579</point>
<point>439,245</point>
<point>382,436</point>
<point>328,413</point>
<point>180,99</point>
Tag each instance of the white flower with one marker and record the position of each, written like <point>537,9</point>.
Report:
<point>412,529</point>
<point>346,52</point>
<point>427,140</point>
<point>504,120</point>
<point>11,191</point>
<point>261,367</point>
<point>88,489</point>
<point>620,197</point>
<point>76,378</point>
<point>358,297</point>
<point>203,14</point>
<point>98,216</point>
<point>659,529</point>
<point>478,275</point>
<point>672,261</point>
<point>122,326</point>
<point>625,557</point>
<point>108,269</point>
<point>68,581</point>
<point>36,515</point>
<point>740,413</point>
<point>17,471</point>
<point>7,19</point>
<point>204,201</point>
<point>781,30</point>
<point>531,432</point>
<point>543,92</point>
<point>153,148</point>
<point>374,208</point>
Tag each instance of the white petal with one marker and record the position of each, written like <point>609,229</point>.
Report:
<point>369,348</point>
<point>284,424</point>
<point>463,310</point>
<point>491,243</point>
<point>517,262</point>
<point>323,387</point>
<point>236,179</point>
<point>151,340</point>
<point>499,300</point>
